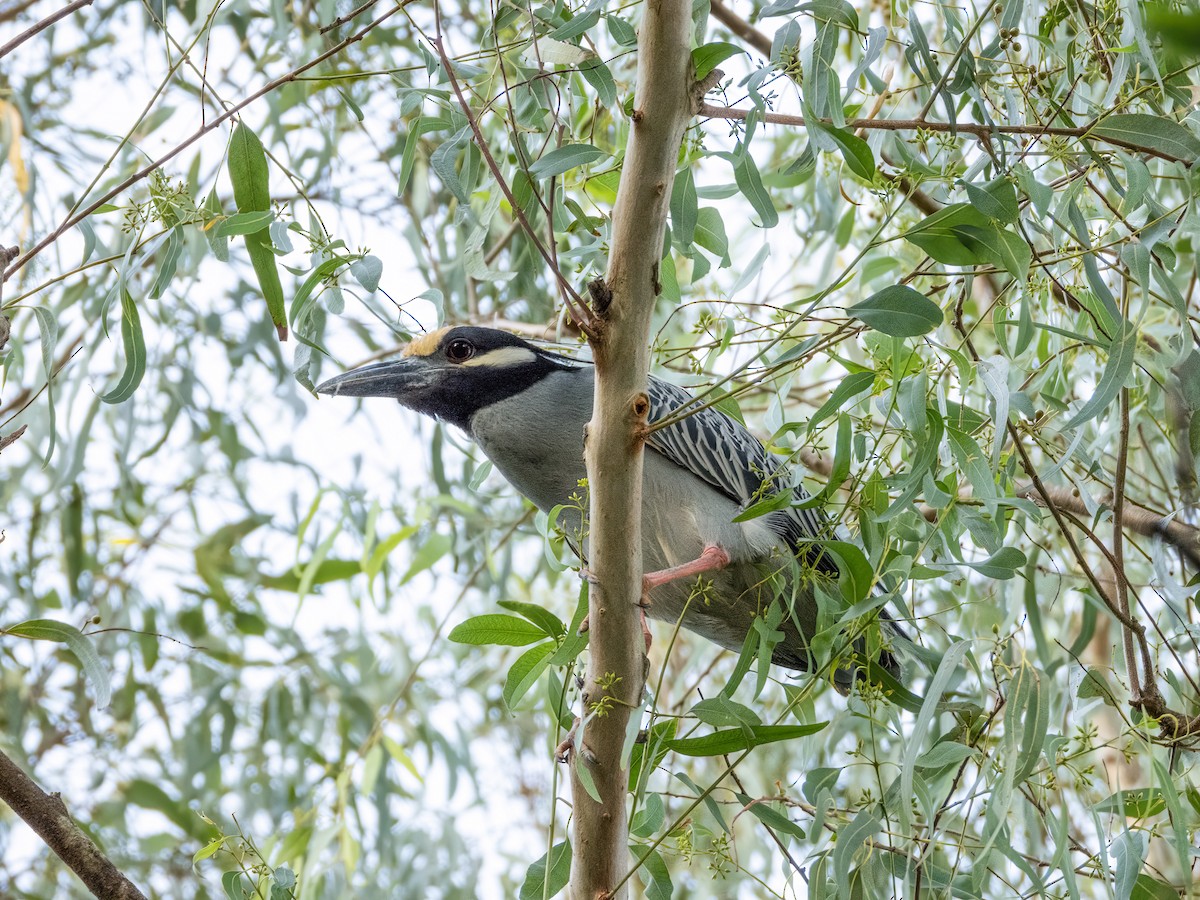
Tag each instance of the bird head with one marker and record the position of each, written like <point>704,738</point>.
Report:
<point>452,373</point>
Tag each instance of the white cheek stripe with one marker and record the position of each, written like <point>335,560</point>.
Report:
<point>503,356</point>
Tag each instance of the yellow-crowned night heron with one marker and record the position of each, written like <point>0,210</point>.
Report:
<point>526,408</point>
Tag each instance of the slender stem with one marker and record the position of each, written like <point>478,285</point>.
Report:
<point>575,305</point>
<point>949,69</point>
<point>42,26</point>
<point>982,132</point>
<point>1118,546</point>
<point>73,220</point>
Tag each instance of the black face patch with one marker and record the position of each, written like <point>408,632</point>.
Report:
<point>476,368</point>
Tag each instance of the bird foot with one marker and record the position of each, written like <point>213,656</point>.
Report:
<point>562,753</point>
<point>646,635</point>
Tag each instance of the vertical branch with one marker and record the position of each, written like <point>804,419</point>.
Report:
<point>623,303</point>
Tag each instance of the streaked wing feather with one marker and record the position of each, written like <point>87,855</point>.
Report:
<point>721,451</point>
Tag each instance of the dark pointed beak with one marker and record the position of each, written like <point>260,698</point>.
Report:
<point>393,378</point>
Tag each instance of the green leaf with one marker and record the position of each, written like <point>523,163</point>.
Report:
<point>1095,684</point>
<point>710,234</point>
<point>563,159</point>
<point>495,628</point>
<point>208,850</point>
<point>855,151</point>
<point>1116,371</point>
<point>134,343</point>
<point>622,32</point>
<point>684,211</point>
<point>327,571</point>
<point>847,389</point>
<point>1002,564</point>
<point>999,247</point>
<point>745,173</point>
<point>232,883</point>
<point>248,171</point>
<point>1027,715</point>
<point>539,616</point>
<point>769,816</point>
<point>720,710</point>
<point>997,200</point>
<point>525,672</point>
<point>649,818</point>
<point>946,753</point>
<point>708,56</point>
<point>654,873</point>
<point>434,547</point>
<point>252,192</point>
<point>735,740</point>
<point>367,271</point>
<point>939,235</point>
<point>1139,131</point>
<point>244,223</point>
<point>48,338</point>
<point>657,745</point>
<point>1147,888</point>
<point>898,311</point>
<point>549,875</point>
<point>78,643</point>
<point>1139,803</point>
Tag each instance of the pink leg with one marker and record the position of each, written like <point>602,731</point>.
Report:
<point>713,558</point>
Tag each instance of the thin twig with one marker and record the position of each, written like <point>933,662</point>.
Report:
<point>42,26</point>
<point>1118,547</point>
<point>982,132</point>
<point>575,304</point>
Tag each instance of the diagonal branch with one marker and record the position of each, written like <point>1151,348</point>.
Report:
<point>47,815</point>
<point>41,26</point>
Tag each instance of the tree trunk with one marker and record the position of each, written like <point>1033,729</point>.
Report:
<point>624,305</point>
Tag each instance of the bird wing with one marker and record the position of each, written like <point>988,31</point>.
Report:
<point>723,453</point>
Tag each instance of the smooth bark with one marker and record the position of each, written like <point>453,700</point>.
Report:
<point>623,304</point>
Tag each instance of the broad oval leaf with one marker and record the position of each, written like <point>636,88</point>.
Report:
<point>367,271</point>
<point>899,311</point>
<point>855,151</point>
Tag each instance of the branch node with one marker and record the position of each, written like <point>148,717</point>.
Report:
<point>601,294</point>
<point>701,88</point>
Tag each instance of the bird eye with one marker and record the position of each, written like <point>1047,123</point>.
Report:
<point>459,350</point>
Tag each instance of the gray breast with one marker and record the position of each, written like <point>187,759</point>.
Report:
<point>535,438</point>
